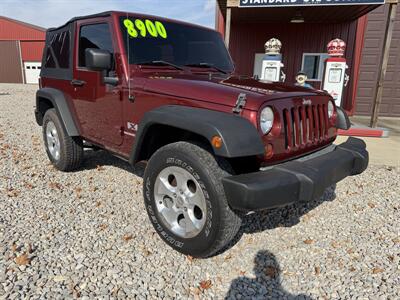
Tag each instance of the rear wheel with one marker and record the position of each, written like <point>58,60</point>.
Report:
<point>185,200</point>
<point>65,152</point>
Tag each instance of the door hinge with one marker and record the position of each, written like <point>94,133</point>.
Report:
<point>240,104</point>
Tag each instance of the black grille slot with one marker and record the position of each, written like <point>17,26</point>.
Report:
<point>305,124</point>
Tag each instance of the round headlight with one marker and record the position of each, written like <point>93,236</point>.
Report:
<point>331,109</point>
<point>266,120</point>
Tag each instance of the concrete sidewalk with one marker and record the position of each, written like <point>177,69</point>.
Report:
<point>393,124</point>
<point>382,151</point>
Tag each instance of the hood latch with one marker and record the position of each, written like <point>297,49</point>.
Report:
<point>240,104</point>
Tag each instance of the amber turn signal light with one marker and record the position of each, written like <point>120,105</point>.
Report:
<point>216,141</point>
<point>269,151</point>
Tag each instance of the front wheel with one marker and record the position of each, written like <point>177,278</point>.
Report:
<point>65,152</point>
<point>186,202</point>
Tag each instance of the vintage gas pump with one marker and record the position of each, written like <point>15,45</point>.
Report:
<point>335,77</point>
<point>272,62</point>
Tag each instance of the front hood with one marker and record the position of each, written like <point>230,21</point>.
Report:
<point>224,91</point>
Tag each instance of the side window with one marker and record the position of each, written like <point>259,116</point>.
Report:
<point>96,36</point>
<point>313,65</point>
<point>58,51</point>
<point>49,61</point>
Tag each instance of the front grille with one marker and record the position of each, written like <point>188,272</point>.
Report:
<point>305,125</point>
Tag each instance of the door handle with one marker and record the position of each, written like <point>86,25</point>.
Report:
<point>76,82</point>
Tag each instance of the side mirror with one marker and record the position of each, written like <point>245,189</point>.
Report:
<point>98,59</point>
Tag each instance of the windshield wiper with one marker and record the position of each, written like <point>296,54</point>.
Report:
<point>207,65</point>
<point>160,63</point>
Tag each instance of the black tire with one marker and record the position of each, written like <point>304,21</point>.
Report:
<point>221,223</point>
<point>70,148</point>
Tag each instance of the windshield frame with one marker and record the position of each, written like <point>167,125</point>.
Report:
<point>123,37</point>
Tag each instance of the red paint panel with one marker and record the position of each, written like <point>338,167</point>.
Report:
<point>316,123</point>
<point>365,132</point>
<point>311,124</point>
<point>289,128</point>
<point>304,125</point>
<point>32,50</point>
<point>296,126</point>
<point>14,30</point>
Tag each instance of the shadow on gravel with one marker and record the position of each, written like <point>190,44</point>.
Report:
<point>266,285</point>
<point>94,159</point>
<point>286,216</point>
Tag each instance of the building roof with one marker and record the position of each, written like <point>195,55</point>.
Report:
<point>14,30</point>
<point>312,14</point>
<point>24,23</point>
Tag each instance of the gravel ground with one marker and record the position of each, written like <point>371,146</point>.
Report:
<point>86,234</point>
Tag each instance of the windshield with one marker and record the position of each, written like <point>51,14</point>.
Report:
<point>152,41</point>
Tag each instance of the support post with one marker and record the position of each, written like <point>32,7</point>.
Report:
<point>383,68</point>
<point>228,26</point>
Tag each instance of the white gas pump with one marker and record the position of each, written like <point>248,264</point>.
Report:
<point>272,62</point>
<point>335,77</point>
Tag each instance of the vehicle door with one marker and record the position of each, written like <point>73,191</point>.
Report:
<point>98,105</point>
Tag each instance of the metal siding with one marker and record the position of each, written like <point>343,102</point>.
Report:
<point>371,61</point>
<point>32,50</point>
<point>249,38</point>
<point>10,30</point>
<point>390,105</point>
<point>10,62</point>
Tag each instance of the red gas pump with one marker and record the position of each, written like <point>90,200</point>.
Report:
<point>335,77</point>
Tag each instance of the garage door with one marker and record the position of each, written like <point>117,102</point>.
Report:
<point>10,62</point>
<point>32,71</point>
<point>371,60</point>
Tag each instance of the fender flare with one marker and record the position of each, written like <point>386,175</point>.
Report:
<point>342,120</point>
<point>57,98</point>
<point>240,137</point>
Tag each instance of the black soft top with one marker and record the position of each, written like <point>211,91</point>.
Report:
<point>102,14</point>
<point>109,13</point>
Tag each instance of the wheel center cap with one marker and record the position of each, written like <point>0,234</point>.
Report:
<point>180,200</point>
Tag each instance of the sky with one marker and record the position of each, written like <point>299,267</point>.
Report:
<point>53,13</point>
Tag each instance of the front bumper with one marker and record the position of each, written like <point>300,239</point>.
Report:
<point>299,180</point>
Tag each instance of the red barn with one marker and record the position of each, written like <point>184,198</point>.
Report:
<point>21,48</point>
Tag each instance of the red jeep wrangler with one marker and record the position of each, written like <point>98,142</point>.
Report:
<point>216,144</point>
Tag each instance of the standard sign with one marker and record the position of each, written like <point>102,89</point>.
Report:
<point>272,3</point>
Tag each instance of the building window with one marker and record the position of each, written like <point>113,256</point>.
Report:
<point>313,65</point>
<point>95,36</point>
